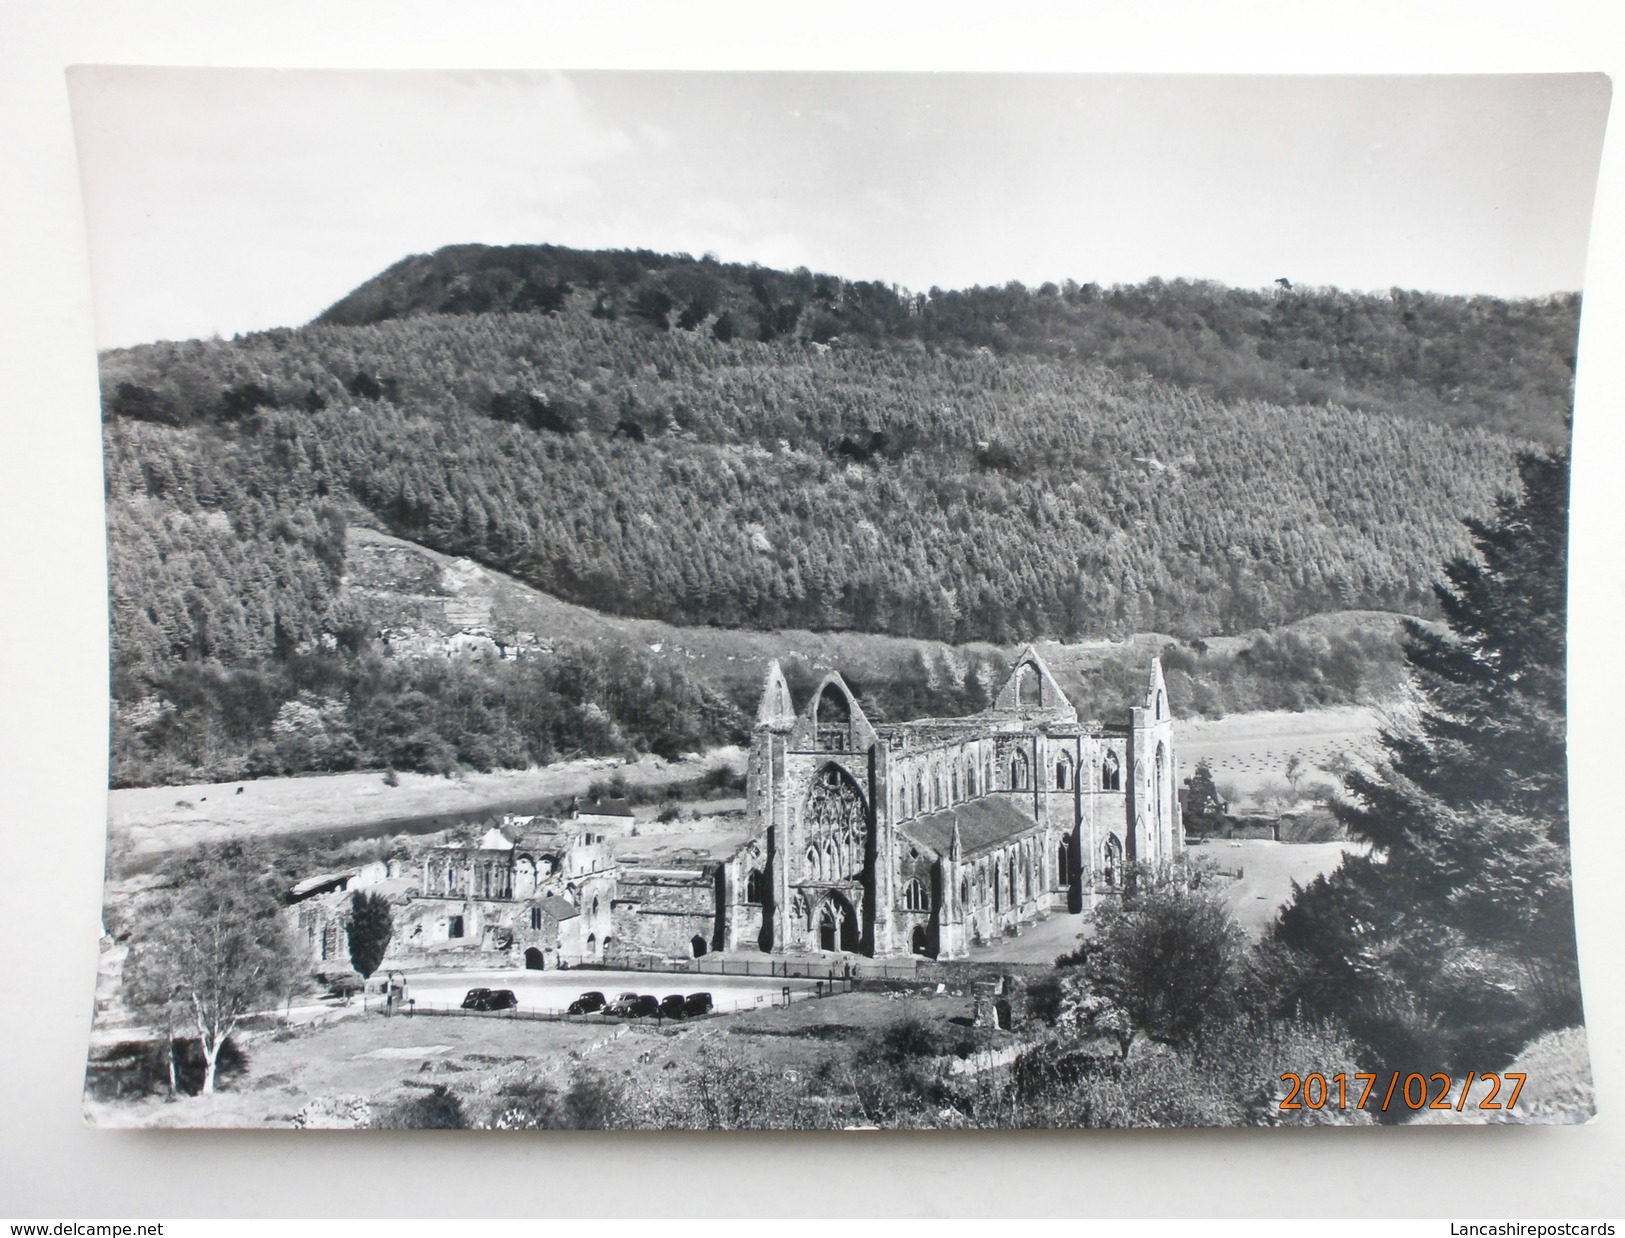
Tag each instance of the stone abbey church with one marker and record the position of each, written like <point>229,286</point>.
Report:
<point>913,838</point>
<point>929,837</point>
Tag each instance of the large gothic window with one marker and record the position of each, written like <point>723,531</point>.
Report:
<point>836,824</point>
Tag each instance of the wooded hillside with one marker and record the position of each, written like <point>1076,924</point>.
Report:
<point>666,465</point>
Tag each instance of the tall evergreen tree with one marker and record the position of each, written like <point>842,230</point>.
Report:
<point>1453,943</point>
<point>371,927</point>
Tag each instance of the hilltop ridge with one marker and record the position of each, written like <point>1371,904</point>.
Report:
<point>1497,363</point>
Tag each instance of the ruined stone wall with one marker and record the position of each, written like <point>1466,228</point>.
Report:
<point>663,914</point>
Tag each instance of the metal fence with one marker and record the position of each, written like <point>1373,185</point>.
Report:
<point>716,965</point>
<point>723,1002</point>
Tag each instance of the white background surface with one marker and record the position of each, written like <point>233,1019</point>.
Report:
<point>53,655</point>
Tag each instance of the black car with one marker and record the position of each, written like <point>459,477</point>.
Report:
<point>500,999</point>
<point>697,1003</point>
<point>476,999</point>
<point>646,1006</point>
<point>588,1003</point>
<point>672,1007</point>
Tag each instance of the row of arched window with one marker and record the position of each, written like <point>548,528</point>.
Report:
<point>930,794</point>
<point>1008,879</point>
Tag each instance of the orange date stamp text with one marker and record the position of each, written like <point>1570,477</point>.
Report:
<point>1400,1090</point>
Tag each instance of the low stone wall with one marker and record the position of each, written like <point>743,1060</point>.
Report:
<point>976,1063</point>
<point>961,973</point>
<point>449,960</point>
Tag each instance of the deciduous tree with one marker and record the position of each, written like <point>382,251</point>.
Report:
<point>219,949</point>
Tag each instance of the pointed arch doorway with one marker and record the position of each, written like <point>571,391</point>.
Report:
<point>836,925</point>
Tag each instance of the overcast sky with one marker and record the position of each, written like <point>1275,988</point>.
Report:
<point>223,201</point>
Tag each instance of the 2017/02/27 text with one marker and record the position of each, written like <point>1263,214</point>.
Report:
<point>1414,1091</point>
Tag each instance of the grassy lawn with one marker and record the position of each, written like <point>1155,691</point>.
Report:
<point>385,1060</point>
<point>1269,869</point>
<point>369,1056</point>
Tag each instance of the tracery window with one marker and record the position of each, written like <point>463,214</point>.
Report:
<point>756,887</point>
<point>1111,772</point>
<point>837,826</point>
<point>916,897</point>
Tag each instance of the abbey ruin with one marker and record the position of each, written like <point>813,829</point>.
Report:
<point>915,838</point>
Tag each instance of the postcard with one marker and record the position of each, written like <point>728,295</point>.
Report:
<point>817,601</point>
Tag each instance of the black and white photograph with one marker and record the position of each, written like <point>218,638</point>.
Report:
<point>819,601</point>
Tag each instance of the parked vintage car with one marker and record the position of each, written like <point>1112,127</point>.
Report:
<point>672,1007</point>
<point>588,1003</point>
<point>697,1003</point>
<point>490,999</point>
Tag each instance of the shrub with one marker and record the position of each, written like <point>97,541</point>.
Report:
<point>438,1109</point>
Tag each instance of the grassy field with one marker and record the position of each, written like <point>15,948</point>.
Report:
<point>1248,752</point>
<point>146,821</point>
